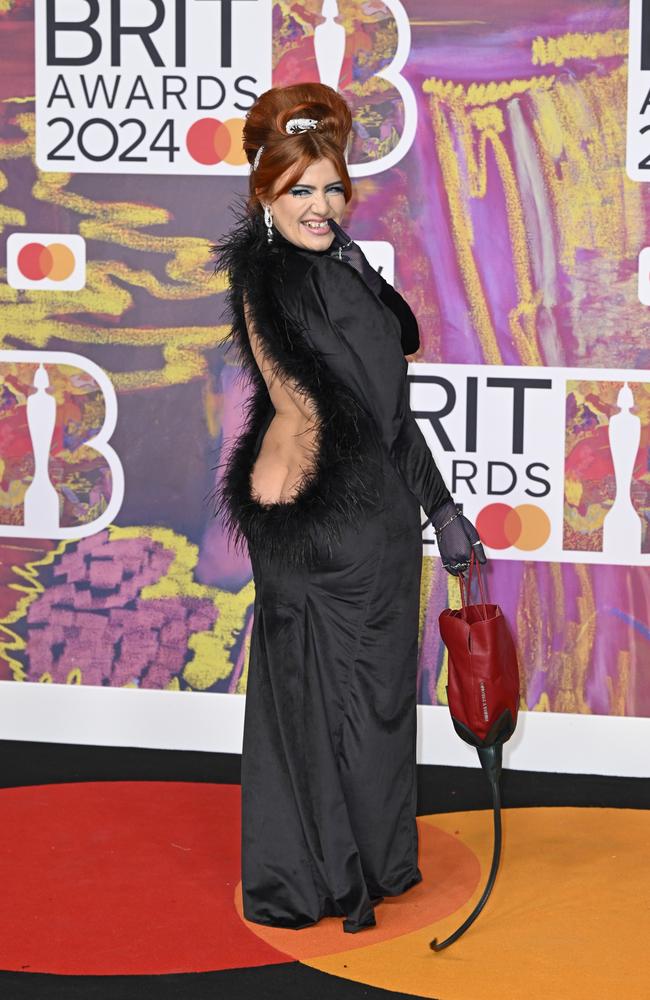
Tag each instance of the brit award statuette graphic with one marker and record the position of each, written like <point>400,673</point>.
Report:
<point>622,527</point>
<point>41,499</point>
<point>61,477</point>
<point>329,48</point>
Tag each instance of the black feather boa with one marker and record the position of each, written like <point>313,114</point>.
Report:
<point>345,484</point>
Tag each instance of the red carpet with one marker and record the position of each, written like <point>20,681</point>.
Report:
<point>123,877</point>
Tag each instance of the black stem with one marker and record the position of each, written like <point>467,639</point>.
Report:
<point>490,758</point>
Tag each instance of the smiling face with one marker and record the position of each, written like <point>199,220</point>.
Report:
<point>301,214</point>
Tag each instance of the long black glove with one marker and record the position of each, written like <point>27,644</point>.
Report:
<point>456,535</point>
<point>457,538</point>
<point>344,248</point>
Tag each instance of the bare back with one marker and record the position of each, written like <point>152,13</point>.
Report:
<point>288,452</point>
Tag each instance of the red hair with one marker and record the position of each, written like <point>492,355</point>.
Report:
<point>266,126</point>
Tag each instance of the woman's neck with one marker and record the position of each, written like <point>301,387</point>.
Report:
<point>282,241</point>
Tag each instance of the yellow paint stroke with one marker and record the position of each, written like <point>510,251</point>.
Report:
<point>31,588</point>
<point>569,666</point>
<point>589,522</point>
<point>16,148</point>
<point>580,138</point>
<point>597,45</point>
<point>443,678</point>
<point>480,94</point>
<point>12,497</point>
<point>463,235</point>
<point>565,669</point>
<point>211,660</point>
<point>475,128</point>
<point>9,216</point>
<point>619,685</point>
<point>581,146</point>
<point>532,634</point>
<point>444,24</point>
<point>213,401</point>
<point>573,490</point>
<point>28,315</point>
<point>522,317</point>
<point>426,586</point>
<point>243,680</point>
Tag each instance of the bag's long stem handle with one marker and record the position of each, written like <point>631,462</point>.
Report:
<point>490,758</point>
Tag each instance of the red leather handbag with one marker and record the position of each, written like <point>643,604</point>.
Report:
<point>483,696</point>
<point>483,686</point>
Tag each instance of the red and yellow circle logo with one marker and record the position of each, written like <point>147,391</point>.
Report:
<point>210,141</point>
<point>36,261</point>
<point>526,526</point>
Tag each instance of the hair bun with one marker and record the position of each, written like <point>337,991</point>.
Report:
<point>266,121</point>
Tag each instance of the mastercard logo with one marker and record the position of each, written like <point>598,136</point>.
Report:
<point>46,261</point>
<point>36,261</point>
<point>210,141</point>
<point>526,526</point>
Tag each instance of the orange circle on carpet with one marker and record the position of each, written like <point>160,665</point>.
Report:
<point>568,918</point>
<point>450,874</point>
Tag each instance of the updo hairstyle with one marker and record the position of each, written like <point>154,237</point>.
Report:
<point>266,126</point>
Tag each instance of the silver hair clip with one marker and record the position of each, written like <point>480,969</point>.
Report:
<point>293,126</point>
<point>300,125</point>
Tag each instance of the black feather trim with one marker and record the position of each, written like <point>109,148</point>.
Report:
<point>345,484</point>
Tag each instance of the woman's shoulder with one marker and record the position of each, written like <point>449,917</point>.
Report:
<point>322,275</point>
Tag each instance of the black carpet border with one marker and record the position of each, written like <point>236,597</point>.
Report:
<point>286,981</point>
<point>441,788</point>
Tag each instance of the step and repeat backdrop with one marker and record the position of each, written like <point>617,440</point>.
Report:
<point>500,156</point>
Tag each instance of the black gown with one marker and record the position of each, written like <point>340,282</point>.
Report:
<point>329,754</point>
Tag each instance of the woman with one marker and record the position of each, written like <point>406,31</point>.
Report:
<point>325,486</point>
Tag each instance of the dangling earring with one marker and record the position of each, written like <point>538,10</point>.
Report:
<point>268,221</point>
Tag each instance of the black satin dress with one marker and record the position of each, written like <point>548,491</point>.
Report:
<point>329,751</point>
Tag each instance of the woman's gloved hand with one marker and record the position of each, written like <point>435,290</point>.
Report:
<point>344,248</point>
<point>457,538</point>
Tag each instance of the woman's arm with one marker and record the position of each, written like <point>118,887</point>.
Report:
<point>344,321</point>
<point>410,332</point>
